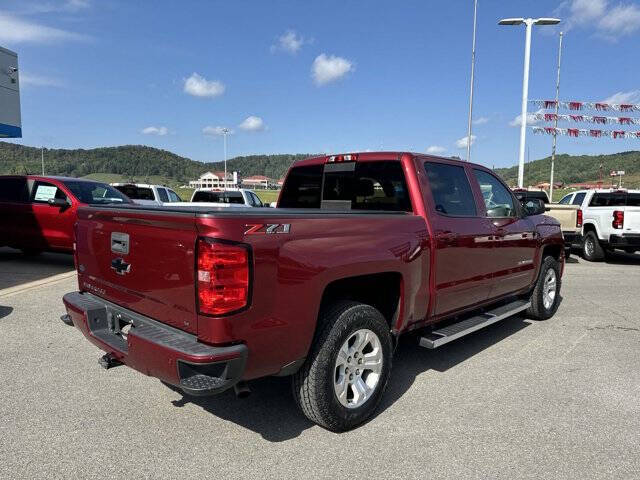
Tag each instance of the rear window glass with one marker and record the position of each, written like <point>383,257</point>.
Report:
<point>95,193</point>
<point>349,186</point>
<point>529,195</point>
<point>14,190</point>
<point>218,197</point>
<point>633,200</point>
<point>450,189</point>
<point>136,193</point>
<point>613,199</point>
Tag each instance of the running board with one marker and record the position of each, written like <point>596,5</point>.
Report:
<point>436,338</point>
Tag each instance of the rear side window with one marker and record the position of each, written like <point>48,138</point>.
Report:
<point>136,193</point>
<point>606,199</point>
<point>348,186</point>
<point>578,198</point>
<point>14,190</point>
<point>450,189</point>
<point>42,192</point>
<point>95,193</point>
<point>162,193</point>
<point>633,200</point>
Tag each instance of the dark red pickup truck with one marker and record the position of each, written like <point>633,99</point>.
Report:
<point>362,248</point>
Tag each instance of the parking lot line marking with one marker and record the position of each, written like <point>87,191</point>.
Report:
<point>7,292</point>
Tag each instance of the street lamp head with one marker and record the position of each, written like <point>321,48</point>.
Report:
<point>546,21</point>
<point>511,21</point>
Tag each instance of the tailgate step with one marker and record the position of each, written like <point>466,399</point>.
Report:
<point>443,335</point>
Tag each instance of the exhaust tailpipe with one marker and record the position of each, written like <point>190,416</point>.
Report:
<point>241,389</point>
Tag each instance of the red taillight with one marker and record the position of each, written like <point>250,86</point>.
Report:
<point>223,277</point>
<point>618,219</point>
<point>579,218</point>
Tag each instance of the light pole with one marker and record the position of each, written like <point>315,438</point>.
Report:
<point>42,159</point>
<point>555,135</point>
<point>473,63</point>
<point>225,132</point>
<point>528,22</point>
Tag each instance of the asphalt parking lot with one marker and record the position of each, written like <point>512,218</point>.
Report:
<point>520,399</point>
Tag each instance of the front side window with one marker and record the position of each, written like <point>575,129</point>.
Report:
<point>94,193</point>
<point>450,189</point>
<point>173,196</point>
<point>566,199</point>
<point>578,198</point>
<point>43,192</point>
<point>497,199</point>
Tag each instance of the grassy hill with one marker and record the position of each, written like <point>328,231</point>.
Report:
<point>151,165</point>
<point>578,169</point>
<point>132,163</point>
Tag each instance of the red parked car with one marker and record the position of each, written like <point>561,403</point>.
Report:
<point>37,213</point>
<point>361,249</point>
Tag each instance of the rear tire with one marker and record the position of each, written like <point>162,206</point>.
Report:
<point>545,298</point>
<point>592,251</point>
<point>347,369</point>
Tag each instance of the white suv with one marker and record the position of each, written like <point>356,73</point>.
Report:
<point>611,220</point>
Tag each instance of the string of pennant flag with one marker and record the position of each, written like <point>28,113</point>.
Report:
<point>551,117</point>
<point>600,106</point>
<point>582,132</point>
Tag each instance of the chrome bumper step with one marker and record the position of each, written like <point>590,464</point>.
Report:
<point>439,337</point>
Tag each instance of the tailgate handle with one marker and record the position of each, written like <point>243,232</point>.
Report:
<point>120,242</point>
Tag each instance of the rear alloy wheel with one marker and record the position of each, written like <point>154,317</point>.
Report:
<point>545,297</point>
<point>591,248</point>
<point>346,371</point>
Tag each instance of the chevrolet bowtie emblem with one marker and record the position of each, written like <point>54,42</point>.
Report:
<point>120,266</point>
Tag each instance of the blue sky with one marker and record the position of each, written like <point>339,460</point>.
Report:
<point>289,76</point>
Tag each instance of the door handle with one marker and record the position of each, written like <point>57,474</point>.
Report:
<point>447,237</point>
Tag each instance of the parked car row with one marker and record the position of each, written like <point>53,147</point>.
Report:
<point>38,213</point>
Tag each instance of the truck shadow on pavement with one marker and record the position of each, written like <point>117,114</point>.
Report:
<point>271,411</point>
<point>17,269</point>
<point>622,258</point>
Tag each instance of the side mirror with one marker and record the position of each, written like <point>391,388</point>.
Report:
<point>58,202</point>
<point>533,206</point>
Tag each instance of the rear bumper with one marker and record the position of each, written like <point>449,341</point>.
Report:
<point>572,238</point>
<point>625,240</point>
<point>154,348</point>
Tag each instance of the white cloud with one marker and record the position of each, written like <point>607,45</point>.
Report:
<point>632,96</point>
<point>198,86</point>
<point>621,20</point>
<point>159,131</point>
<point>14,30</point>
<point>481,120</point>
<point>436,149</point>
<point>531,120</point>
<point>252,124</point>
<point>327,69</point>
<point>609,20</point>
<point>29,80</point>
<point>215,131</point>
<point>462,142</point>
<point>289,42</point>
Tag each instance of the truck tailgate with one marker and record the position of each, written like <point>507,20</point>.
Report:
<point>567,215</point>
<point>141,260</point>
<point>631,219</point>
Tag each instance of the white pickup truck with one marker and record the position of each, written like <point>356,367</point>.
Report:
<point>611,220</point>
<point>145,194</point>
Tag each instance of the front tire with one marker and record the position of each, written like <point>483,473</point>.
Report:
<point>545,298</point>
<point>592,251</point>
<point>343,379</point>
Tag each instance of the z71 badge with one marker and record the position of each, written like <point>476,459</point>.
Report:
<point>264,228</point>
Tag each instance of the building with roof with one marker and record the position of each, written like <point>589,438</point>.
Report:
<point>215,180</point>
<point>258,181</point>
